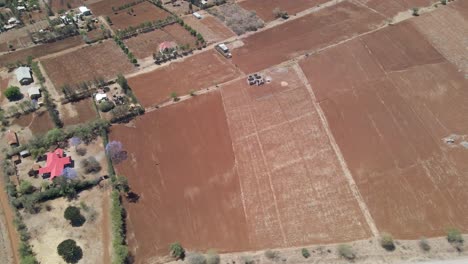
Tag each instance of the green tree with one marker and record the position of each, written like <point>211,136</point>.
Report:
<point>13,93</point>
<point>70,251</point>
<point>73,215</point>
<point>305,253</point>
<point>121,184</point>
<point>106,106</point>
<point>386,241</point>
<point>26,187</point>
<point>454,236</point>
<point>177,251</point>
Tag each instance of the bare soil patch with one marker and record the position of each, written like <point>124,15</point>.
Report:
<point>38,122</point>
<point>264,9</point>
<point>82,112</point>
<point>390,8</point>
<point>104,7</point>
<point>297,37</point>
<point>202,181</point>
<point>196,72</point>
<point>451,41</point>
<point>210,27</point>
<point>137,14</point>
<point>104,60</point>
<point>58,5</point>
<point>41,50</point>
<point>50,228</point>
<point>390,103</point>
<point>144,45</point>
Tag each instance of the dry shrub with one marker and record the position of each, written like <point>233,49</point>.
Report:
<point>237,18</point>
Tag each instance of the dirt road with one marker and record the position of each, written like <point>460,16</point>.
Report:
<point>8,235</point>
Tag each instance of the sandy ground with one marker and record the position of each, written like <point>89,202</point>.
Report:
<point>49,228</point>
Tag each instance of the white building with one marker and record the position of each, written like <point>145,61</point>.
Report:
<point>84,11</point>
<point>23,75</point>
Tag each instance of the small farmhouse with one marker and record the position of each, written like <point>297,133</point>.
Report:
<point>23,75</point>
<point>56,162</point>
<point>34,92</point>
<point>166,46</point>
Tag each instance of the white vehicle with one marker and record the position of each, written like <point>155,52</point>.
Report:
<point>197,15</point>
<point>223,49</point>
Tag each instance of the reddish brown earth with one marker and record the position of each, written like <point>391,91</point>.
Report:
<point>181,163</point>
<point>58,5</point>
<point>41,50</point>
<point>103,60</point>
<point>144,45</point>
<point>303,35</point>
<point>104,7</point>
<point>181,35</point>
<point>264,9</point>
<point>143,12</point>
<point>390,8</point>
<point>196,72</point>
<point>449,40</point>
<point>293,188</point>
<point>38,122</point>
<point>210,27</point>
<point>389,103</point>
<point>85,111</point>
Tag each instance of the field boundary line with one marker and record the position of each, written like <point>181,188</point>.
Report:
<point>347,173</point>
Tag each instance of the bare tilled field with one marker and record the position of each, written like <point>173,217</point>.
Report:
<point>104,7</point>
<point>144,45</point>
<point>303,35</point>
<point>210,27</point>
<point>104,60</point>
<point>452,41</point>
<point>390,8</point>
<point>135,15</point>
<point>81,112</point>
<point>41,50</point>
<point>58,5</point>
<point>264,9</point>
<point>254,170</point>
<point>196,72</point>
<point>38,122</point>
<point>390,103</point>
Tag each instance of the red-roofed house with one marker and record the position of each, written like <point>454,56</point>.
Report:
<point>55,164</point>
<point>167,45</point>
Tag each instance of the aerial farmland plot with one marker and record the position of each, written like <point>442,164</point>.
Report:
<point>390,109</point>
<point>104,60</point>
<point>335,134</point>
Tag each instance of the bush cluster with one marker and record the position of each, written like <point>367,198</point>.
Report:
<point>74,215</point>
<point>118,230</point>
<point>70,251</point>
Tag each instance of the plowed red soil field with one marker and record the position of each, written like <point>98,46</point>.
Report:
<point>196,72</point>
<point>390,8</point>
<point>104,7</point>
<point>142,12</point>
<point>103,60</point>
<point>84,111</point>
<point>264,9</point>
<point>144,45</point>
<point>58,5</point>
<point>451,41</point>
<point>303,35</point>
<point>38,122</point>
<point>41,50</point>
<point>181,163</point>
<point>390,102</point>
<point>211,28</point>
<point>247,168</point>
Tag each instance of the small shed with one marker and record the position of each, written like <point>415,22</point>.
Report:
<point>34,92</point>
<point>197,15</point>
<point>100,96</point>
<point>84,10</point>
<point>12,138</point>
<point>23,75</point>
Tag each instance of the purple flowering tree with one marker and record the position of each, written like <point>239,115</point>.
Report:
<point>115,151</point>
<point>69,173</point>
